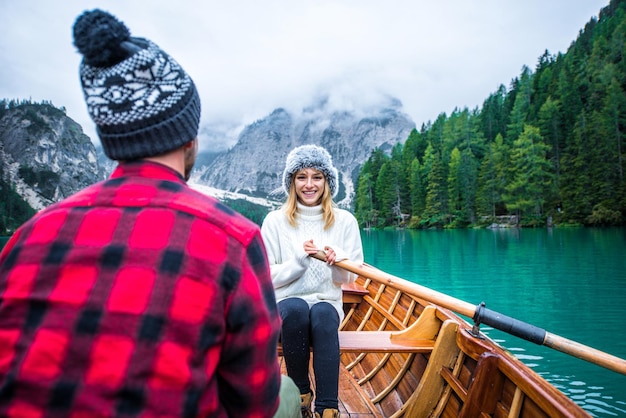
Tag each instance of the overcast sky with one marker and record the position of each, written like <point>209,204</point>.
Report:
<point>249,57</point>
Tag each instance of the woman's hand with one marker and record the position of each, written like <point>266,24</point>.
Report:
<point>310,248</point>
<point>331,256</point>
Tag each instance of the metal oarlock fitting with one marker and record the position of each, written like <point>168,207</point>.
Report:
<point>475,331</point>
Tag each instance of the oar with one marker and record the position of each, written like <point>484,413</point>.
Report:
<point>480,314</point>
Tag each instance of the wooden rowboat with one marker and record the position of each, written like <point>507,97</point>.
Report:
<point>403,356</point>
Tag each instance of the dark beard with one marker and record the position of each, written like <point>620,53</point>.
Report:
<point>188,168</point>
<point>190,160</point>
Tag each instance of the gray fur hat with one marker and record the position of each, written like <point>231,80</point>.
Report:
<point>311,156</point>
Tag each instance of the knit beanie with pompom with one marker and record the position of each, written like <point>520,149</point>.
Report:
<point>141,100</point>
<point>310,156</point>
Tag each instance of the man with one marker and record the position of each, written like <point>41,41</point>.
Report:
<point>138,295</point>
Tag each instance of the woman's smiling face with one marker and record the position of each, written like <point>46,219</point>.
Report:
<point>309,184</point>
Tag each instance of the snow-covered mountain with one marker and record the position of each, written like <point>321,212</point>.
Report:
<point>254,165</point>
<point>45,156</point>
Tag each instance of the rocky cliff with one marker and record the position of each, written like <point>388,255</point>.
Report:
<point>254,165</point>
<point>45,155</point>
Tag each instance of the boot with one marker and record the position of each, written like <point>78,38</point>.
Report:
<point>305,405</point>
<point>328,413</point>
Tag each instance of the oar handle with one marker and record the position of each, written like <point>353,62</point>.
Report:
<point>540,336</point>
<point>586,353</point>
<point>482,315</point>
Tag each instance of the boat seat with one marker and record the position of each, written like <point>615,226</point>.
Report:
<point>377,342</point>
<point>353,293</point>
<point>417,338</point>
<point>381,342</point>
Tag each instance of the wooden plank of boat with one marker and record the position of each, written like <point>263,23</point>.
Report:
<point>377,342</point>
<point>418,338</point>
<point>460,375</point>
<point>480,314</point>
<point>353,401</point>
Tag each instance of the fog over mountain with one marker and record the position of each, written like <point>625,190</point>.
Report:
<point>45,155</point>
<point>255,163</point>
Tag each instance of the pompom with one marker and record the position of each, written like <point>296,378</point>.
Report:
<point>98,35</point>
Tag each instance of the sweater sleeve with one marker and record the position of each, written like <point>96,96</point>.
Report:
<point>351,248</point>
<point>283,271</point>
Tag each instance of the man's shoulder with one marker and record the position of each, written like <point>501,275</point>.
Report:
<point>181,198</point>
<point>210,209</point>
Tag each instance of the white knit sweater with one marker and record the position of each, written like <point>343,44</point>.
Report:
<point>294,273</point>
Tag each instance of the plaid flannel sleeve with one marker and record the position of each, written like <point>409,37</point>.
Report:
<point>249,373</point>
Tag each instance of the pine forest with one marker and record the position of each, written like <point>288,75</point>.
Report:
<point>550,149</point>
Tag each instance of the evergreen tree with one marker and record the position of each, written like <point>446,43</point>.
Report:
<point>601,162</point>
<point>372,167</point>
<point>548,121</point>
<point>576,202</point>
<point>543,83</point>
<point>418,192</point>
<point>469,185</point>
<point>615,114</point>
<point>375,163</point>
<point>436,209</point>
<point>455,199</point>
<point>462,185</point>
<point>365,213</point>
<point>492,118</point>
<point>492,179</point>
<point>487,197</point>
<point>552,144</point>
<point>404,192</point>
<point>531,177</point>
<point>388,190</point>
<point>414,146</point>
<point>521,106</point>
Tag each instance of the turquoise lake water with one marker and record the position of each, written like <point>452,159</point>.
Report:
<point>570,282</point>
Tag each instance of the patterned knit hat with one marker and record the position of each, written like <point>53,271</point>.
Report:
<point>141,100</point>
<point>310,156</point>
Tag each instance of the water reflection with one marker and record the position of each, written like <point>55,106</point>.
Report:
<point>571,282</point>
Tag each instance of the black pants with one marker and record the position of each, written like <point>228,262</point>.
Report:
<point>317,328</point>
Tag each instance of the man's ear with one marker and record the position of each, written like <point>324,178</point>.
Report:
<point>191,143</point>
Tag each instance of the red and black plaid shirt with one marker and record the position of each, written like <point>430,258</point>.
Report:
<point>137,296</point>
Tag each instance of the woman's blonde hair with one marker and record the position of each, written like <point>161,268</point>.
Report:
<point>291,205</point>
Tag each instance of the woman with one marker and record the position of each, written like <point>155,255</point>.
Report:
<point>308,291</point>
